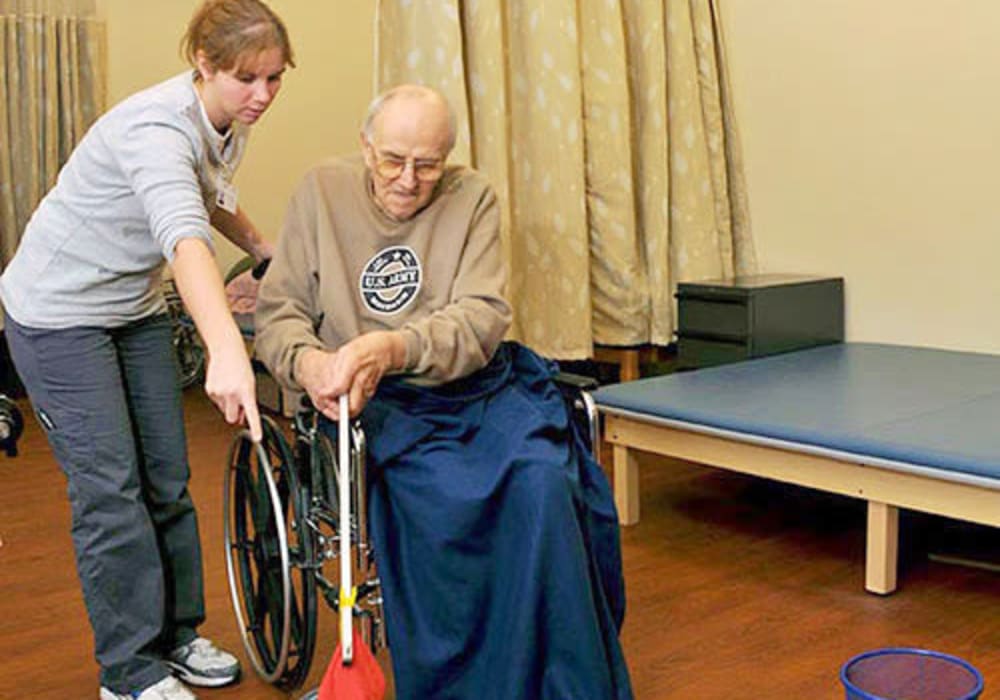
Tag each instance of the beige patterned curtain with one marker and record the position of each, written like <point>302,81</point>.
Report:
<point>52,87</point>
<point>608,130</point>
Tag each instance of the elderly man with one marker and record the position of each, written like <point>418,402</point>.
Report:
<point>495,532</point>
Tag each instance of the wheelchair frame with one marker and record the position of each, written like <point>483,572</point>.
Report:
<point>281,509</point>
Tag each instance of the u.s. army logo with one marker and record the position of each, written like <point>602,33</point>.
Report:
<point>390,280</point>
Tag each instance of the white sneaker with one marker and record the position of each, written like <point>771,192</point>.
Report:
<point>199,662</point>
<point>167,689</point>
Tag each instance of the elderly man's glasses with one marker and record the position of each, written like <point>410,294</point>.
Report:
<point>424,169</point>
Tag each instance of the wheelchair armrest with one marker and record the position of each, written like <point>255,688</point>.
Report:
<point>247,262</point>
<point>576,392</point>
<point>239,267</point>
<point>575,382</point>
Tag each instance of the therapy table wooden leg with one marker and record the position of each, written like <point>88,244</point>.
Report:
<point>626,485</point>
<point>882,548</point>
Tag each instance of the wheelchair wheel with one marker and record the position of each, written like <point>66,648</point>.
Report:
<point>190,356</point>
<point>271,556</point>
<point>325,474</point>
<point>317,452</point>
<point>190,353</point>
<point>11,425</point>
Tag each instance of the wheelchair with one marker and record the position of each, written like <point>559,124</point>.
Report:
<point>11,425</point>
<point>187,343</point>
<point>281,502</point>
<point>281,533</point>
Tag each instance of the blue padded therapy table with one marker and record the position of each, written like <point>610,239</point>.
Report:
<point>901,427</point>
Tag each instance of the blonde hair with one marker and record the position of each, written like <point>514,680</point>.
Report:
<point>228,30</point>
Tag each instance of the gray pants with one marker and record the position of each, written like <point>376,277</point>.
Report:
<point>111,407</point>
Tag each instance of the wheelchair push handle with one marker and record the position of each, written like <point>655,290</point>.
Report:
<point>258,270</point>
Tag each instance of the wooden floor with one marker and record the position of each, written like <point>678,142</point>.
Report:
<point>738,589</point>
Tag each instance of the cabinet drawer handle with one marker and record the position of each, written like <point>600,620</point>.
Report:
<point>714,337</point>
<point>681,296</point>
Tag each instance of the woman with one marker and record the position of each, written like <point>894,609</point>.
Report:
<point>90,338</point>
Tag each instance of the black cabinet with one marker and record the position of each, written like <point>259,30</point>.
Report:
<point>727,320</point>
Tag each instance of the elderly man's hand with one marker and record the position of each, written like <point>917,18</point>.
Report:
<point>355,368</point>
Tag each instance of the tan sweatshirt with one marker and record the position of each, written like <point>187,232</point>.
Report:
<point>343,268</point>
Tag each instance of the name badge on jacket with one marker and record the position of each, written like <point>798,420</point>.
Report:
<point>226,195</point>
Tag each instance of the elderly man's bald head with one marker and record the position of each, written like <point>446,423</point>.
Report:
<point>433,103</point>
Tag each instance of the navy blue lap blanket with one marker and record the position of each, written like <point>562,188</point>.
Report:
<point>496,539</point>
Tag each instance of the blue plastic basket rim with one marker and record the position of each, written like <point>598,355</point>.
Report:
<point>912,652</point>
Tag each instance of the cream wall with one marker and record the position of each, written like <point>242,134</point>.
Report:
<point>870,131</point>
<point>317,112</point>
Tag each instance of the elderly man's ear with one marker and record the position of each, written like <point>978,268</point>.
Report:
<point>366,150</point>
